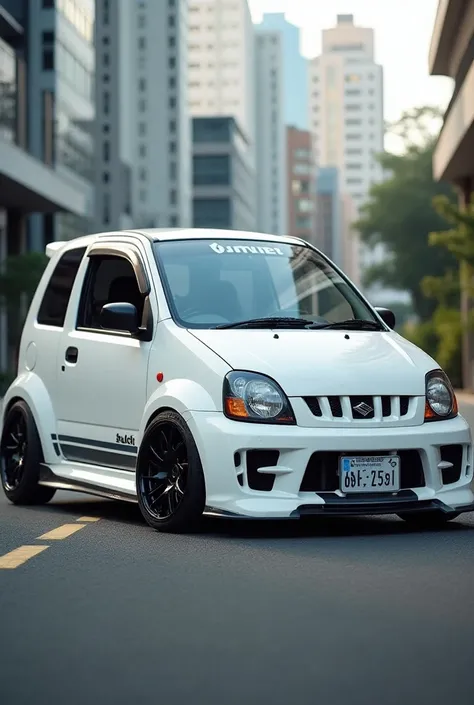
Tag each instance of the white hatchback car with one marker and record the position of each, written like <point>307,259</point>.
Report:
<point>226,373</point>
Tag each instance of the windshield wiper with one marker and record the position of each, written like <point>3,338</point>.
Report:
<point>269,322</point>
<point>350,324</point>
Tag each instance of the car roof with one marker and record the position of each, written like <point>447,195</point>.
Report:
<point>167,234</point>
<point>161,234</point>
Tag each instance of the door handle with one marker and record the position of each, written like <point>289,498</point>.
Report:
<point>71,355</point>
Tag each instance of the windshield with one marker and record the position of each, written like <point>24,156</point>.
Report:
<point>211,283</point>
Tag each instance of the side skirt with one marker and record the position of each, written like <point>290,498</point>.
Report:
<point>104,482</point>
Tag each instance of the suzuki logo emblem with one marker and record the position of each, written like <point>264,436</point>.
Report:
<point>363,409</point>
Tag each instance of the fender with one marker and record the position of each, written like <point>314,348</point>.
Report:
<point>31,389</point>
<point>181,395</point>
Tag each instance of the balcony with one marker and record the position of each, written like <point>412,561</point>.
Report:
<point>452,54</point>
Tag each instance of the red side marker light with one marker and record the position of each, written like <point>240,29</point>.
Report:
<point>160,376</point>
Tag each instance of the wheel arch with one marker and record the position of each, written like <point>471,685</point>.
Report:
<point>31,390</point>
<point>180,396</point>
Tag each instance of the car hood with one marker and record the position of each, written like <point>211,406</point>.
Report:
<point>324,363</point>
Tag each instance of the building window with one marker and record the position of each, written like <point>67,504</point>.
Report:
<point>172,62</point>
<point>142,84</point>
<point>173,170</point>
<point>141,43</point>
<point>305,205</point>
<point>171,42</point>
<point>48,37</point>
<point>106,128</point>
<point>106,78</point>
<point>105,40</point>
<point>48,3</point>
<point>141,21</point>
<point>106,59</point>
<point>142,128</point>
<point>172,102</point>
<point>48,59</point>
<point>106,102</point>
<point>212,170</point>
<point>142,150</point>
<point>106,151</point>
<point>172,147</point>
<point>142,196</point>
<point>172,82</point>
<point>142,105</point>
<point>171,21</point>
<point>173,197</point>
<point>106,177</point>
<point>142,174</point>
<point>172,126</point>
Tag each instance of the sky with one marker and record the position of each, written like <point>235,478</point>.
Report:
<point>402,38</point>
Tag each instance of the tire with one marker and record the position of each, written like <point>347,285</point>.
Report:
<point>434,519</point>
<point>20,457</point>
<point>170,481</point>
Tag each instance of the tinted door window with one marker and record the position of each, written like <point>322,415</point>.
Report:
<point>109,280</point>
<point>52,311</point>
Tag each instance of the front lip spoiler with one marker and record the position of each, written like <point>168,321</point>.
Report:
<point>353,507</point>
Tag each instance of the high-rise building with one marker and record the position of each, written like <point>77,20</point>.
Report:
<point>143,129</point>
<point>452,54</point>
<point>346,110</point>
<point>29,184</point>
<point>270,135</point>
<point>334,217</point>
<point>300,184</point>
<point>346,106</point>
<point>222,188</point>
<point>221,61</point>
<point>221,68</point>
<point>60,57</point>
<point>115,127</point>
<point>295,69</point>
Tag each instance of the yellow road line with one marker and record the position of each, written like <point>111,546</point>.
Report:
<point>62,532</point>
<point>19,556</point>
<point>88,519</point>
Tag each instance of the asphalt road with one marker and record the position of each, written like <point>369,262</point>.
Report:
<point>339,612</point>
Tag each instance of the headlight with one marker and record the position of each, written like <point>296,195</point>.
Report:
<point>440,398</point>
<point>249,396</point>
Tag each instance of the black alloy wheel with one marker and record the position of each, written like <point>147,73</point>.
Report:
<point>21,456</point>
<point>13,450</point>
<point>170,481</point>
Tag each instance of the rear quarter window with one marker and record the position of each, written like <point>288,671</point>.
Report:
<point>52,310</point>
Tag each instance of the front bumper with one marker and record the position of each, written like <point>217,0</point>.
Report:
<point>225,447</point>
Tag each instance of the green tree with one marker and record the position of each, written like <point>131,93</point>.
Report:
<point>19,278</point>
<point>399,213</point>
<point>448,323</point>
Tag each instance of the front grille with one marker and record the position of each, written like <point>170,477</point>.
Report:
<point>322,471</point>
<point>359,408</point>
<point>261,459</point>
<point>452,454</point>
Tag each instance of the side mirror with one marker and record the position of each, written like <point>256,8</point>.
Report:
<point>119,316</point>
<point>387,316</point>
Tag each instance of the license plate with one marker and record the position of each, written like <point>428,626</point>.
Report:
<point>379,473</point>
